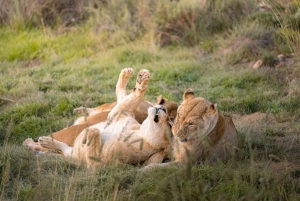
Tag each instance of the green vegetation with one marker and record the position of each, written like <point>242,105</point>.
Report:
<point>59,55</point>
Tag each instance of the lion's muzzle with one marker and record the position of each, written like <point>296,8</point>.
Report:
<point>163,108</point>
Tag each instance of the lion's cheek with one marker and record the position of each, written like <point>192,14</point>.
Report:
<point>176,132</point>
<point>175,129</point>
<point>180,132</point>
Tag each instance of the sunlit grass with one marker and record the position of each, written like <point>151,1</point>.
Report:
<point>46,45</point>
<point>47,70</point>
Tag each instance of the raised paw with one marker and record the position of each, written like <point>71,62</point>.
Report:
<point>142,79</point>
<point>126,73</point>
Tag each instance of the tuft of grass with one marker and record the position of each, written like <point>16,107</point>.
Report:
<point>61,178</point>
<point>269,60</point>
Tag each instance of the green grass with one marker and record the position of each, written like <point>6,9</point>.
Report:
<point>48,70</point>
<point>46,45</point>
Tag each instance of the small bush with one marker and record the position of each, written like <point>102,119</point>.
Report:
<point>245,41</point>
<point>37,13</point>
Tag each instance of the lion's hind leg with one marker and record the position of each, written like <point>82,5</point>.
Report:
<point>50,143</point>
<point>93,147</point>
<point>34,146</point>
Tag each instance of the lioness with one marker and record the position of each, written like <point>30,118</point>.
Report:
<point>198,122</point>
<point>121,137</point>
<point>200,132</point>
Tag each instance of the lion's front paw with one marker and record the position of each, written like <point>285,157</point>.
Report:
<point>82,111</point>
<point>126,73</point>
<point>142,79</point>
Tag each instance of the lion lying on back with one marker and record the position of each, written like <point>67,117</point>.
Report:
<point>91,116</point>
<point>121,137</point>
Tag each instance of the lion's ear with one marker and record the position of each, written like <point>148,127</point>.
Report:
<point>160,100</point>
<point>214,106</point>
<point>188,94</point>
<point>211,109</point>
<point>212,119</point>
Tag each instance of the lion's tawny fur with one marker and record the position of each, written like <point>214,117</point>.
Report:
<point>121,136</point>
<point>97,115</point>
<point>201,131</point>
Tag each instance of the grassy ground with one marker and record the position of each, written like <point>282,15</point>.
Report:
<point>48,69</point>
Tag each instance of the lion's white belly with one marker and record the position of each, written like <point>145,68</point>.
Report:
<point>113,130</point>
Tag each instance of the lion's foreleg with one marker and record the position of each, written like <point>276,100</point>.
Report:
<point>124,76</point>
<point>128,103</point>
<point>156,158</point>
<point>127,107</point>
<point>34,146</point>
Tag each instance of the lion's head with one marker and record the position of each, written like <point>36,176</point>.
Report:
<point>155,129</point>
<point>195,116</point>
<point>158,114</point>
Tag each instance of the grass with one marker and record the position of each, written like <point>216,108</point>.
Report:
<point>48,69</point>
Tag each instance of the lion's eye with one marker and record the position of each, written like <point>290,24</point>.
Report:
<point>191,124</point>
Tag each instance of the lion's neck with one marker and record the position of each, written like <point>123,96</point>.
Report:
<point>154,134</point>
<point>216,134</point>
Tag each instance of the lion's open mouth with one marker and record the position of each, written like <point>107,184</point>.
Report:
<point>156,113</point>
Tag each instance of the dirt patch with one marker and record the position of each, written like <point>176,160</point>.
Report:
<point>32,63</point>
<point>273,140</point>
<point>260,123</point>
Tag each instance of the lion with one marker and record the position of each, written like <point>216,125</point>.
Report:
<point>91,116</point>
<point>200,132</point>
<point>121,137</point>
